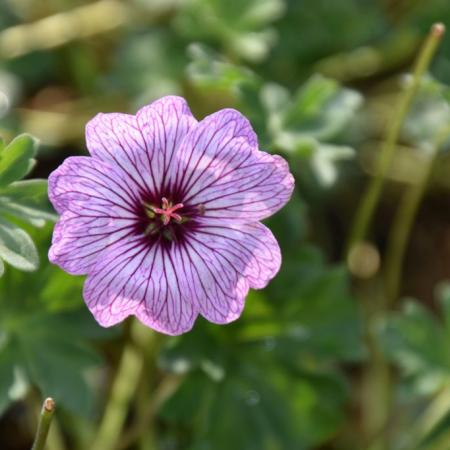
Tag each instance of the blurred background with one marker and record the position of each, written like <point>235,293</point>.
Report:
<point>320,359</point>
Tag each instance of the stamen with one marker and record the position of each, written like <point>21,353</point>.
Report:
<point>167,211</point>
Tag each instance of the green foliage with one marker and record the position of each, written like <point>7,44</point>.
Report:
<point>23,200</point>
<point>266,375</point>
<point>17,159</point>
<point>241,27</point>
<point>45,334</point>
<point>318,113</point>
<point>209,71</point>
<point>292,372</point>
<point>429,118</point>
<point>417,340</point>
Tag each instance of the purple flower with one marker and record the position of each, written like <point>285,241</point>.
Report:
<point>164,215</point>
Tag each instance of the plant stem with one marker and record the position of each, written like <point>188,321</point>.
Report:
<point>165,389</point>
<point>369,201</point>
<point>375,388</point>
<point>48,409</point>
<point>377,381</point>
<point>435,412</point>
<point>404,220</point>
<point>55,440</point>
<point>122,391</point>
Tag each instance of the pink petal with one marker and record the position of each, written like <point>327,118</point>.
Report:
<point>131,278</point>
<point>226,175</point>
<point>251,249</point>
<point>221,264</point>
<point>96,204</point>
<point>165,287</point>
<point>78,240</point>
<point>164,124</point>
<point>142,145</point>
<point>117,139</point>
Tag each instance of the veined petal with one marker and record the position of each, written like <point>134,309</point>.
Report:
<point>96,204</point>
<point>221,263</point>
<point>164,123</point>
<point>132,278</point>
<point>117,139</point>
<point>212,284</point>
<point>251,249</point>
<point>225,174</point>
<point>86,185</point>
<point>79,239</point>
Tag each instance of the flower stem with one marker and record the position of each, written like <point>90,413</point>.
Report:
<point>404,220</point>
<point>369,201</point>
<point>48,409</point>
<point>122,392</point>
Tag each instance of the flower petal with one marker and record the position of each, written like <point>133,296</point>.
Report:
<point>117,139</point>
<point>142,145</point>
<point>78,240</point>
<point>133,278</point>
<point>212,284</point>
<point>221,263</point>
<point>251,249</point>
<point>96,204</point>
<point>226,176</point>
<point>164,123</point>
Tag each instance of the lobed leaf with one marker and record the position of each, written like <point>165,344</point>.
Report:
<point>17,248</point>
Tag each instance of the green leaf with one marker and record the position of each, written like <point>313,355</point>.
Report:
<point>324,160</point>
<point>240,26</point>
<point>17,248</point>
<point>58,366</point>
<point>45,324</point>
<point>27,200</point>
<point>319,111</point>
<point>54,353</point>
<point>16,159</point>
<point>246,402</point>
<point>310,124</point>
<point>210,71</point>
<point>417,342</point>
<point>429,114</point>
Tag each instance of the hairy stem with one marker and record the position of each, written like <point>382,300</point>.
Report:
<point>48,409</point>
<point>369,201</point>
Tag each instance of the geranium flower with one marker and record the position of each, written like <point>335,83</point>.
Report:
<point>164,215</point>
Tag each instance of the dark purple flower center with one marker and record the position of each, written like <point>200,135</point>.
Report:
<point>166,221</point>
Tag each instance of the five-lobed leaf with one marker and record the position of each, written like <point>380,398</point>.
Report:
<point>28,201</point>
